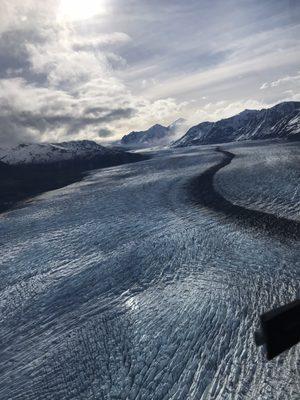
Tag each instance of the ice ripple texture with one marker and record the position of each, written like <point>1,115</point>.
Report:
<point>118,287</point>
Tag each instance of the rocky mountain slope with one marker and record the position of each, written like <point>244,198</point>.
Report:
<point>280,121</point>
<point>154,136</point>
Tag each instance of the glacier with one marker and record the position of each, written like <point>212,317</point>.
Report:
<point>121,287</point>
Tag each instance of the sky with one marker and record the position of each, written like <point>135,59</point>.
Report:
<point>98,69</point>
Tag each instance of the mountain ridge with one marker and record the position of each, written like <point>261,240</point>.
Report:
<point>279,121</point>
<point>44,153</point>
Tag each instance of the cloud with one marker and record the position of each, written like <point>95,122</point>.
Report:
<point>290,95</point>
<point>236,66</point>
<point>100,41</point>
<point>53,114</point>
<point>50,112</point>
<point>224,109</point>
<point>149,112</point>
<point>280,81</point>
<point>264,86</point>
<point>135,66</point>
<point>104,132</point>
<point>74,93</point>
<point>67,87</point>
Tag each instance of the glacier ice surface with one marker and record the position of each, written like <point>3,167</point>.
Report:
<point>117,287</point>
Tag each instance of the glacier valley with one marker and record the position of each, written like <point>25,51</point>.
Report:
<point>125,285</point>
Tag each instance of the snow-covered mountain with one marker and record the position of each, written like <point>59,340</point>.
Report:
<point>280,121</point>
<point>29,169</point>
<point>154,136</point>
<point>82,152</point>
<point>49,153</point>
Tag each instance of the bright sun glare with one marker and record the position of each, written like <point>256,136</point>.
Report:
<point>73,10</point>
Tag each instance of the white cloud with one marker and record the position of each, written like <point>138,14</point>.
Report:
<point>52,114</point>
<point>81,97</point>
<point>226,71</point>
<point>281,81</point>
<point>23,14</point>
<point>100,40</point>
<point>224,109</point>
<point>265,85</point>
<point>290,95</point>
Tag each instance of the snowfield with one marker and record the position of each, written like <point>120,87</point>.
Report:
<point>120,287</point>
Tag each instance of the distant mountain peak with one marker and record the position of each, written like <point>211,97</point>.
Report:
<point>154,136</point>
<point>157,126</point>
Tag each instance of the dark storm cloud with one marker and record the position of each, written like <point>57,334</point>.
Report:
<point>14,124</point>
<point>42,121</point>
<point>11,134</point>
<point>75,126</point>
<point>104,133</point>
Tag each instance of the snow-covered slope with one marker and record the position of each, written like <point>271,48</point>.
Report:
<point>156,135</point>
<point>45,153</point>
<point>280,121</point>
